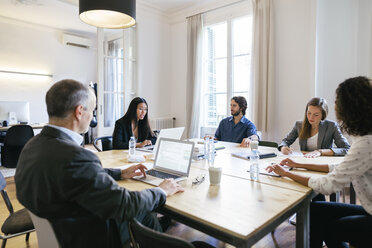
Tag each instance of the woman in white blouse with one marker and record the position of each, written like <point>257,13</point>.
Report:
<point>316,134</point>
<point>332,222</point>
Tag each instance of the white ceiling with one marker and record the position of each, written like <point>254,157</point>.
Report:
<point>64,14</point>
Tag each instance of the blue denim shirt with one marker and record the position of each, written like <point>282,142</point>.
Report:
<point>228,131</point>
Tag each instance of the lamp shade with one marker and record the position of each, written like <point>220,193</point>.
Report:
<point>108,13</point>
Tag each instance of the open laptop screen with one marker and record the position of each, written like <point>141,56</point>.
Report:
<point>174,155</point>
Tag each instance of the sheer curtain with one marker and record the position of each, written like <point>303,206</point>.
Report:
<point>262,98</point>
<point>194,74</point>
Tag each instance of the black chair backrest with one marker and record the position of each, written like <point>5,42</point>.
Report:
<point>14,141</point>
<point>268,143</point>
<point>145,237</point>
<point>106,142</point>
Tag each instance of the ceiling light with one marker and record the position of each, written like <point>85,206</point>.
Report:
<point>108,13</point>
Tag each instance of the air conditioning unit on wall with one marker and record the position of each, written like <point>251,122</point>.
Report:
<point>73,40</point>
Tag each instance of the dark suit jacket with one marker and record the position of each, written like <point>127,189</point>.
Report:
<point>123,132</point>
<point>58,180</point>
<point>329,131</point>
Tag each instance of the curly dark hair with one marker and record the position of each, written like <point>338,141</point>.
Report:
<point>354,106</point>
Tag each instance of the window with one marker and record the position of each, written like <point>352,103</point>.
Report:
<point>226,66</point>
<point>116,76</point>
<point>113,90</point>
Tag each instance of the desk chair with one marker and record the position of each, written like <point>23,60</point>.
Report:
<point>46,237</point>
<point>106,143</point>
<point>145,237</point>
<point>14,141</point>
<point>17,223</point>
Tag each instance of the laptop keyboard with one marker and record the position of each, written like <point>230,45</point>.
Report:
<point>160,174</point>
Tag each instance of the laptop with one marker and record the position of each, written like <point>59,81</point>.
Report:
<point>171,133</point>
<point>172,160</point>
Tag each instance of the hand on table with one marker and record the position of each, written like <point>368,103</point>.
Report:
<point>135,170</point>
<point>144,143</point>
<point>171,187</point>
<point>286,150</point>
<point>277,168</point>
<point>312,154</point>
<point>290,163</point>
<point>245,142</point>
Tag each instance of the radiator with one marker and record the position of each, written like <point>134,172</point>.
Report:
<point>162,122</point>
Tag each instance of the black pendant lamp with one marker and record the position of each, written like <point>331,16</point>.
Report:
<point>108,13</point>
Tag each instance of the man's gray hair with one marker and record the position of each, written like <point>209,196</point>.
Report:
<point>64,96</point>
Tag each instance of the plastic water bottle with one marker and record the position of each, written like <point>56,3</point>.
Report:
<point>254,167</point>
<point>206,148</point>
<point>212,153</point>
<point>132,146</point>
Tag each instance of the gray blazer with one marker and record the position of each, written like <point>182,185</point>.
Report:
<point>329,131</point>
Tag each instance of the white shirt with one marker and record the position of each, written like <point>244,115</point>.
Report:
<point>356,168</point>
<point>312,143</point>
<point>75,136</point>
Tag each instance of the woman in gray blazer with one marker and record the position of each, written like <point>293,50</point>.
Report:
<point>316,135</point>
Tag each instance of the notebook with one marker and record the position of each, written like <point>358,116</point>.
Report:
<point>246,155</point>
<point>171,133</point>
<point>172,160</point>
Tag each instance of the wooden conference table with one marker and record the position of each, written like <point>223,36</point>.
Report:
<point>239,211</point>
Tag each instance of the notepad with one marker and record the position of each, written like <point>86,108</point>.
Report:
<point>246,155</point>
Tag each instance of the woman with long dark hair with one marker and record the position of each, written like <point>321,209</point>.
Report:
<point>334,222</point>
<point>316,134</point>
<point>134,123</point>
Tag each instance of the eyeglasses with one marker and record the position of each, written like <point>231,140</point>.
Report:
<point>198,180</point>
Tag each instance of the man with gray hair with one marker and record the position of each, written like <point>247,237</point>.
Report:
<point>59,180</point>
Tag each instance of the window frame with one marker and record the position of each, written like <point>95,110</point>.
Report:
<point>224,15</point>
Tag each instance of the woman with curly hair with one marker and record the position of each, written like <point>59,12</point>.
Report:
<point>134,123</point>
<point>316,134</point>
<point>333,222</point>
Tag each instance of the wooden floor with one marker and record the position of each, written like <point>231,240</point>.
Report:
<point>284,235</point>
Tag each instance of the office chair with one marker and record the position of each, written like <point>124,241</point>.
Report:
<point>268,143</point>
<point>106,143</point>
<point>46,237</point>
<point>14,141</point>
<point>145,237</point>
<point>17,223</point>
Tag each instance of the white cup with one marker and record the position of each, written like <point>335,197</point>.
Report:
<point>215,175</point>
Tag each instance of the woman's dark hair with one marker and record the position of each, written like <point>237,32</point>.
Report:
<point>144,129</point>
<point>319,102</point>
<point>240,100</point>
<point>354,106</point>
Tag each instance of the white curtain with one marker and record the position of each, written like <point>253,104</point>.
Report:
<point>262,98</point>
<point>194,75</point>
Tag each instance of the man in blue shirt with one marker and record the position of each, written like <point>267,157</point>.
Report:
<point>237,128</point>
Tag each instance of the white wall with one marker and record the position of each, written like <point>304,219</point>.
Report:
<point>178,71</point>
<point>294,27</point>
<point>344,30</point>
<point>32,48</point>
<point>153,60</point>
<point>336,46</point>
